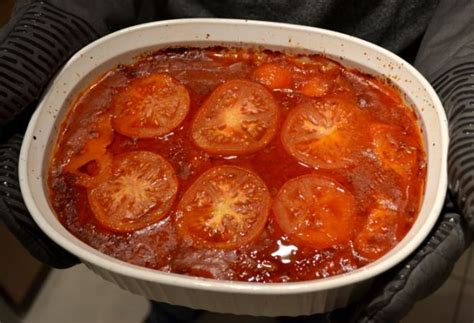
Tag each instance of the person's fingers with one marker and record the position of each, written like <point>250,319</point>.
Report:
<point>14,214</point>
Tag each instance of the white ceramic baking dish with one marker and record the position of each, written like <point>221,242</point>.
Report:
<point>299,298</point>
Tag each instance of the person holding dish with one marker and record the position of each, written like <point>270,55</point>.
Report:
<point>396,26</point>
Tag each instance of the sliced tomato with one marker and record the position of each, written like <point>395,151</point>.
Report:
<point>239,117</point>
<point>323,134</point>
<point>273,76</point>
<point>315,211</point>
<point>140,191</point>
<point>225,207</point>
<point>316,86</point>
<point>91,165</point>
<point>378,235</point>
<point>395,150</point>
<point>150,106</point>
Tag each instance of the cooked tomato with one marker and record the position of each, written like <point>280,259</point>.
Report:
<point>395,150</point>
<point>225,207</point>
<point>273,76</point>
<point>140,191</point>
<point>239,117</point>
<point>150,106</point>
<point>316,86</point>
<point>315,211</point>
<point>378,235</point>
<point>92,164</point>
<point>323,134</point>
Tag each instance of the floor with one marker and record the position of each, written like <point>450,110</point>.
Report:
<point>77,295</point>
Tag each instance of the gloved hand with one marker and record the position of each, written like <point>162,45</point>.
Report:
<point>27,64</point>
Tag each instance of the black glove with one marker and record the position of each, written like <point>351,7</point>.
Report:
<point>26,65</point>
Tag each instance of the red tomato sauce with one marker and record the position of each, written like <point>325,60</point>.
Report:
<point>371,152</point>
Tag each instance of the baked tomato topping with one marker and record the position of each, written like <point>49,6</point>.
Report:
<point>378,235</point>
<point>322,133</point>
<point>139,191</point>
<point>225,207</point>
<point>315,211</point>
<point>150,106</point>
<point>395,150</point>
<point>316,86</point>
<point>239,117</point>
<point>273,76</point>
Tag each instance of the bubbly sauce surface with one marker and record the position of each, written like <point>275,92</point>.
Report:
<point>373,169</point>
